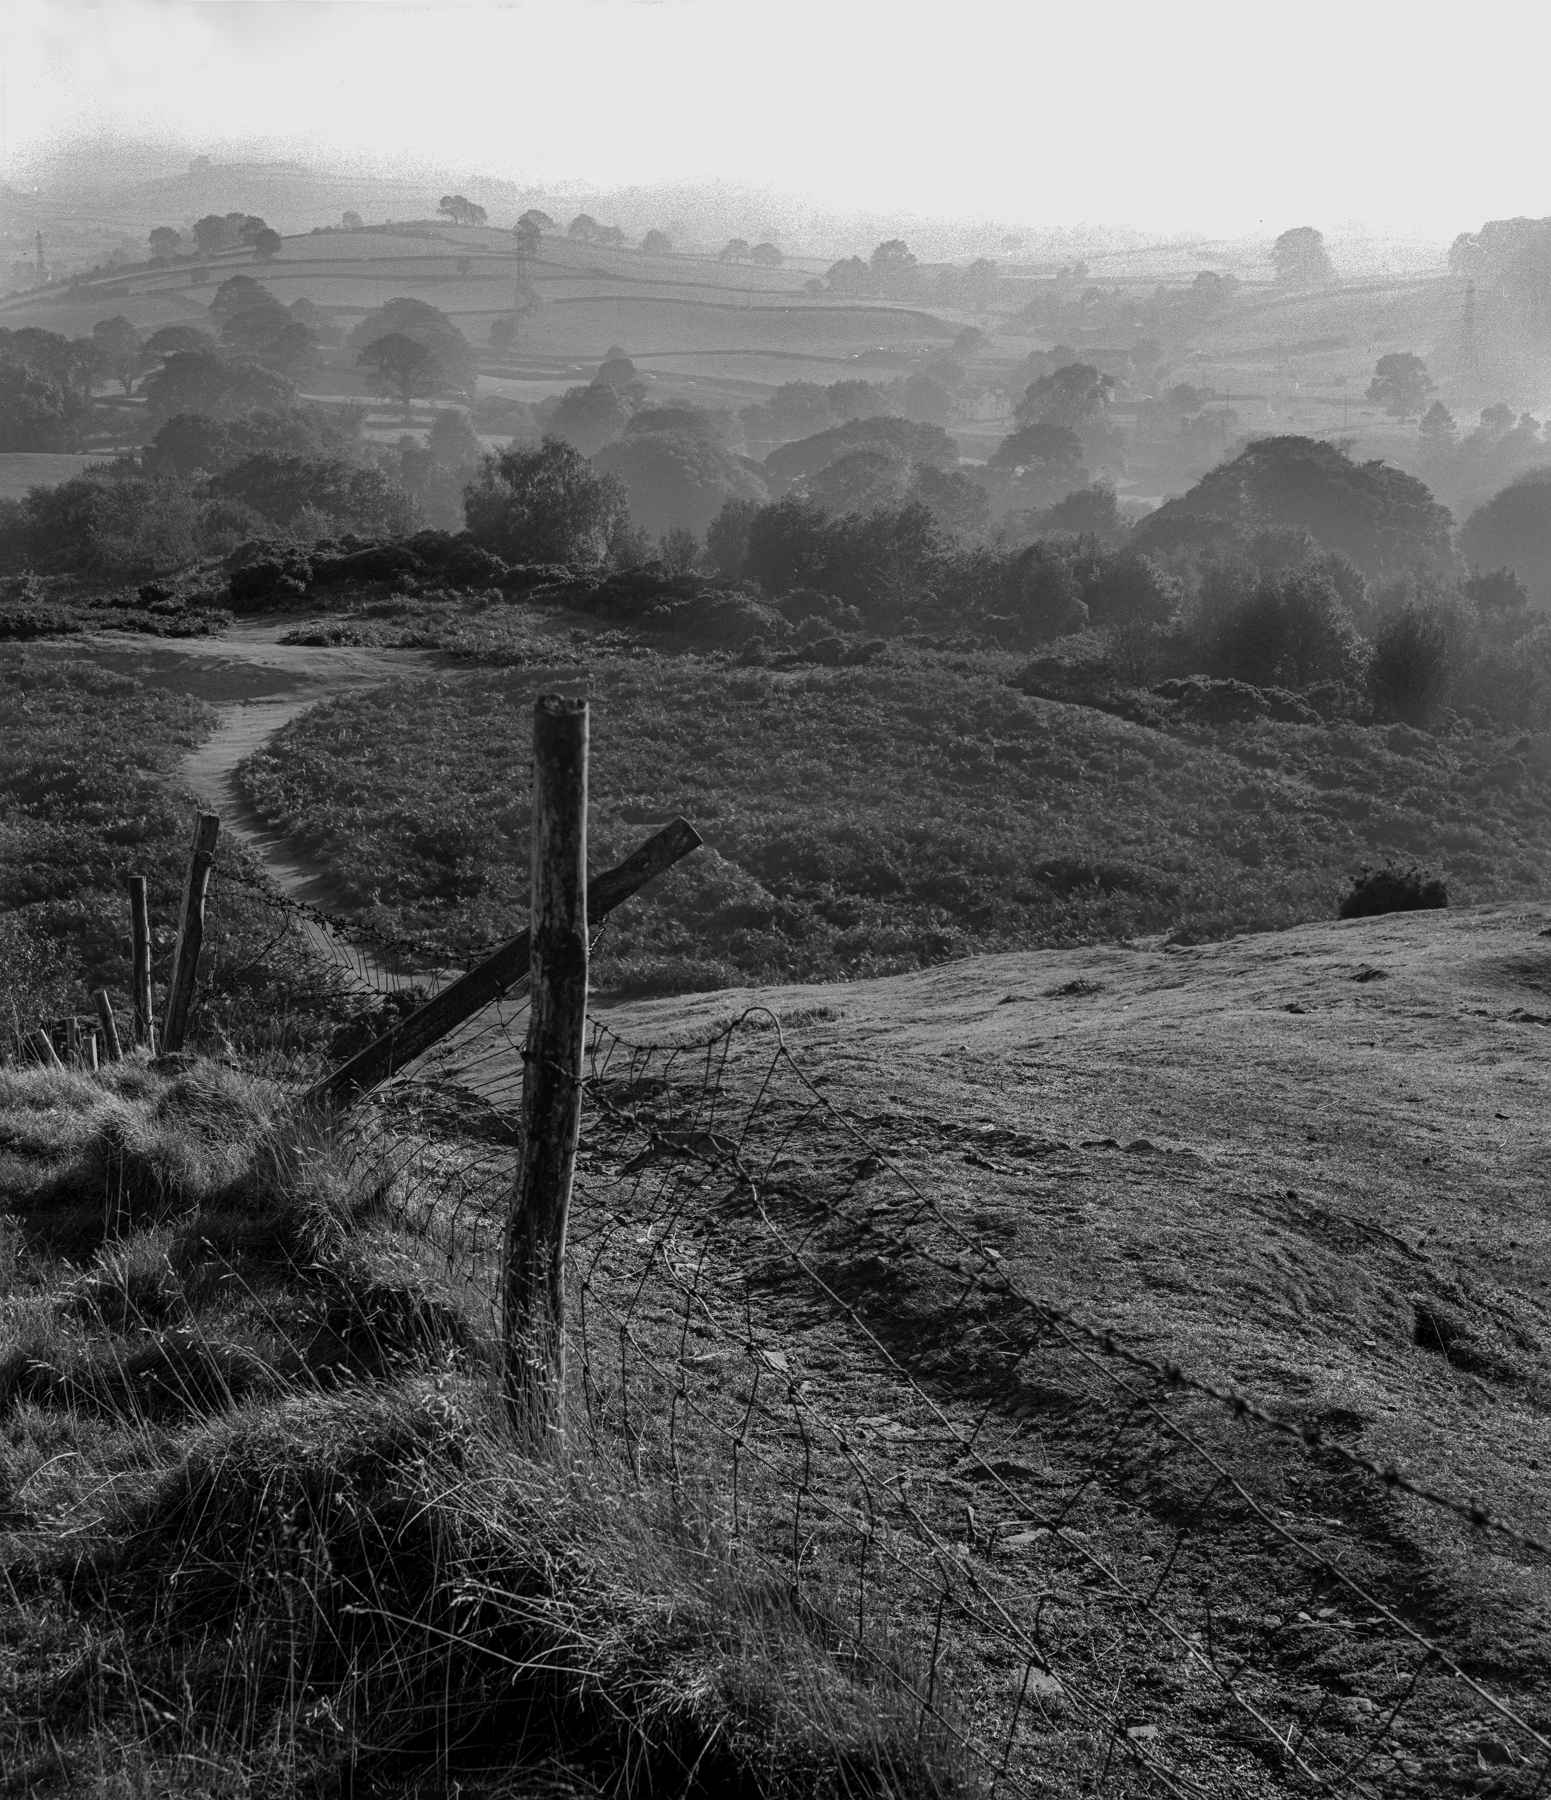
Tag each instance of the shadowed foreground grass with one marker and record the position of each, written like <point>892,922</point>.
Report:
<point>262,1530</point>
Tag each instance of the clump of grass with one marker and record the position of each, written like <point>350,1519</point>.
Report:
<point>1391,889</point>
<point>266,1531</point>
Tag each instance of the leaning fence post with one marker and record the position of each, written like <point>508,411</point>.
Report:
<point>140,944</point>
<point>43,1048</point>
<point>534,1285</point>
<point>112,1049</point>
<point>191,932</point>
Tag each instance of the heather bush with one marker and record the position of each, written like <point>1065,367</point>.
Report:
<point>1392,889</point>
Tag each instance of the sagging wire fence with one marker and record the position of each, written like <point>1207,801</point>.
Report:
<point>1091,1569</point>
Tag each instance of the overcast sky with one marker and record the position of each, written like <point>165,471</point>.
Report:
<point>1226,116</point>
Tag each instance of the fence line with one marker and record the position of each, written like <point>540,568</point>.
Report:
<point>779,1322</point>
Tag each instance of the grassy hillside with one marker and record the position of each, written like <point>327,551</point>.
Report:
<point>874,818</point>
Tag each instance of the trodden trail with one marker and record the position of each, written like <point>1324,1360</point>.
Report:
<point>257,684</point>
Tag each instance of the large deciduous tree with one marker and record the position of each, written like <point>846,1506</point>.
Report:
<point>1384,520</point>
<point>1401,384</point>
<point>402,368</point>
<point>1071,396</point>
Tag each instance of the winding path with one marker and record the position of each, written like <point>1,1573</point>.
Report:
<point>257,684</point>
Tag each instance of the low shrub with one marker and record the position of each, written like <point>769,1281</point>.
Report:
<point>1392,889</point>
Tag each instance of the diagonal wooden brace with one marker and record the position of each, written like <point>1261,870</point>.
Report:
<point>495,976</point>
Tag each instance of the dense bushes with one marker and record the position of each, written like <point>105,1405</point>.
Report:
<point>1289,630</point>
<point>545,506</point>
<point>1408,674</point>
<point>120,526</point>
<point>1389,890</point>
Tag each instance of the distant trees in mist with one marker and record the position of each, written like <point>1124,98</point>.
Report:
<point>1300,258</point>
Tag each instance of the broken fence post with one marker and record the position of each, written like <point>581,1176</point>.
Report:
<point>533,1294</point>
<point>140,949</point>
<point>43,1048</point>
<point>191,932</point>
<point>495,976</point>
<point>112,1049</point>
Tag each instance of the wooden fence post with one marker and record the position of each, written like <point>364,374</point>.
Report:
<point>191,932</point>
<point>111,1047</point>
<point>534,1287</point>
<point>43,1048</point>
<point>140,944</point>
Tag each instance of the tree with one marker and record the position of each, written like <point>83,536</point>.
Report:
<point>165,244</point>
<point>1384,520</point>
<point>583,228</point>
<point>850,276</point>
<point>610,237</point>
<point>38,411</point>
<point>1400,384</point>
<point>118,346</point>
<point>1408,674</point>
<point>862,481</point>
<point>892,257</point>
<point>427,325</point>
<point>590,417</point>
<point>460,210</point>
<point>240,293</point>
<point>1044,460</point>
<point>540,221</point>
<point>1070,396</point>
<point>195,381</point>
<point>267,245</point>
<point>656,243</point>
<point>1300,258</point>
<point>352,221</point>
<point>452,439</point>
<point>226,231</point>
<point>172,338</point>
<point>1513,531</point>
<point>1289,630</point>
<point>1437,430</point>
<point>727,536</point>
<point>403,368</point>
<point>735,250</point>
<point>917,443</point>
<point>766,255</point>
<point>956,501</point>
<point>528,237</point>
<point>282,486</point>
<point>547,505</point>
<point>270,335</point>
<point>677,478</point>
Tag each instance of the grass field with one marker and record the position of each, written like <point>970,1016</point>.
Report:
<point>872,819</point>
<point>23,469</point>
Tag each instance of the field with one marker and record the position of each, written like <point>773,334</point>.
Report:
<point>872,819</point>
<point>22,469</point>
<point>723,334</point>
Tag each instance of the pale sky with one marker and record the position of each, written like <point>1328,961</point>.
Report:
<point>1224,116</point>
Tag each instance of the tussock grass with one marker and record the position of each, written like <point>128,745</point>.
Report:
<point>262,1529</point>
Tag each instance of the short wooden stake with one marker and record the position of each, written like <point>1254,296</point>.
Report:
<point>89,1049</point>
<point>140,944</point>
<point>110,1044</point>
<point>71,1029</point>
<point>191,933</point>
<point>534,1287</point>
<point>43,1048</point>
